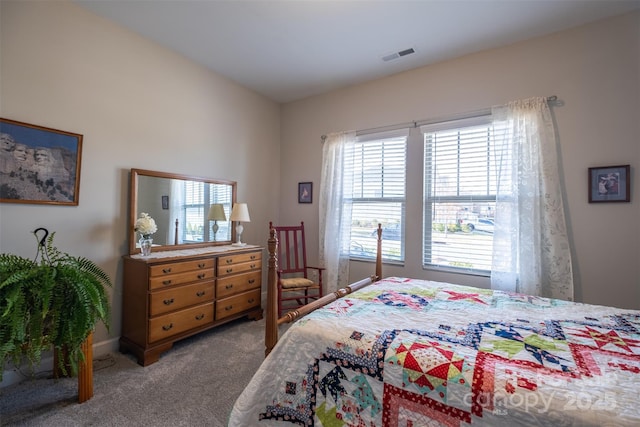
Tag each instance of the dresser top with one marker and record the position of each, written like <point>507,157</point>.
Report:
<point>180,253</point>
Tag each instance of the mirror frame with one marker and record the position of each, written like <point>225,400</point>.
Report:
<point>133,208</point>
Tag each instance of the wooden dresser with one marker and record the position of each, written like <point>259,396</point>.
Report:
<point>171,295</point>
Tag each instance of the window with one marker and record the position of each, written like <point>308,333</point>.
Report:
<point>198,197</point>
<point>459,195</point>
<point>374,192</point>
<point>194,212</point>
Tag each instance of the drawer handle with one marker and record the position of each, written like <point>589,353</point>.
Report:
<point>229,307</point>
<point>253,266</point>
<point>200,316</point>
<point>252,281</point>
<point>229,260</point>
<point>253,257</point>
<point>166,282</point>
<point>167,327</point>
<point>202,276</point>
<point>251,301</point>
<point>229,270</point>
<point>201,265</point>
<point>166,270</point>
<point>229,286</point>
<point>200,293</point>
<point>168,301</point>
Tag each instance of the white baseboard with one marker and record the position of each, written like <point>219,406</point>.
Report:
<point>13,375</point>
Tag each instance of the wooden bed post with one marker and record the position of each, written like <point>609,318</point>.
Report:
<point>271,331</point>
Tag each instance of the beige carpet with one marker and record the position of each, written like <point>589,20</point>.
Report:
<point>193,384</point>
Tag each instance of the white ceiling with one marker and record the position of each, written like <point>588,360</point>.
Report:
<point>289,50</point>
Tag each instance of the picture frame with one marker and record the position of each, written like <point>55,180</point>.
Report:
<point>305,192</point>
<point>38,164</point>
<point>610,184</point>
<point>165,202</point>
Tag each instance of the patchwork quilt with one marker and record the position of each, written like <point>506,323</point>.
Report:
<point>408,352</point>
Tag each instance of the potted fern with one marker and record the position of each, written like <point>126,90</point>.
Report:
<point>54,300</point>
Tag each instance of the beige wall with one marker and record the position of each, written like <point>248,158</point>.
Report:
<point>594,70</point>
<point>137,106</point>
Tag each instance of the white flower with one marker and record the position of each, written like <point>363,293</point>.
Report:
<point>145,225</point>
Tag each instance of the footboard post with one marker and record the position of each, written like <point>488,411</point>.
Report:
<point>271,330</point>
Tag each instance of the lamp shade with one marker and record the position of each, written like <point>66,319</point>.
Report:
<point>216,213</point>
<point>240,213</point>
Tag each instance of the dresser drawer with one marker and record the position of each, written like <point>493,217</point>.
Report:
<point>180,321</point>
<point>177,279</point>
<point>180,267</point>
<point>183,296</point>
<point>239,258</point>
<point>235,304</point>
<point>239,283</point>
<point>226,270</point>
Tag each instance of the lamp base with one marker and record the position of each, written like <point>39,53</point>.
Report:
<point>216,227</point>
<point>239,229</point>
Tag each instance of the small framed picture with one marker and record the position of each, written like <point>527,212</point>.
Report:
<point>610,184</point>
<point>165,202</point>
<point>305,192</point>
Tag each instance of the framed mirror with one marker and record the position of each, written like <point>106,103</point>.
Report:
<point>189,211</point>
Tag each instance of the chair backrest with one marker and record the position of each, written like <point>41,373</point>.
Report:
<point>292,253</point>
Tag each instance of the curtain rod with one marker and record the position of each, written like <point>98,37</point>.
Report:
<point>485,112</point>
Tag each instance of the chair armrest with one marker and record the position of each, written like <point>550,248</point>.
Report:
<point>319,270</point>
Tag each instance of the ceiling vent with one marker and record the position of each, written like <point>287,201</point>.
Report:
<point>397,55</point>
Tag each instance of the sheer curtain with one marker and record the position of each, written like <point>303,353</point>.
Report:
<point>334,212</point>
<point>531,251</point>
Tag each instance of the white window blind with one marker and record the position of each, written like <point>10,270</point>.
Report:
<point>194,211</point>
<point>199,196</point>
<point>459,195</point>
<point>374,192</point>
<point>221,194</point>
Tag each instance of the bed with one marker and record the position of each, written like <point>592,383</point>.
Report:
<point>410,352</point>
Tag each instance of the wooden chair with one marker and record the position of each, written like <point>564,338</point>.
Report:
<point>294,283</point>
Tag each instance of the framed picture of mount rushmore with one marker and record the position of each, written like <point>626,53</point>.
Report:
<point>38,164</point>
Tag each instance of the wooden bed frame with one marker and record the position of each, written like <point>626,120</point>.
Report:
<point>273,322</point>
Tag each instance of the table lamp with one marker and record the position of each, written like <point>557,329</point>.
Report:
<point>216,213</point>
<point>240,213</point>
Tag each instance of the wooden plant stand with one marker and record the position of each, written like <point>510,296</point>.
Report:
<point>85,370</point>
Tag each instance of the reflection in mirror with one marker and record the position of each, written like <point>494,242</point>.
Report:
<point>186,209</point>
